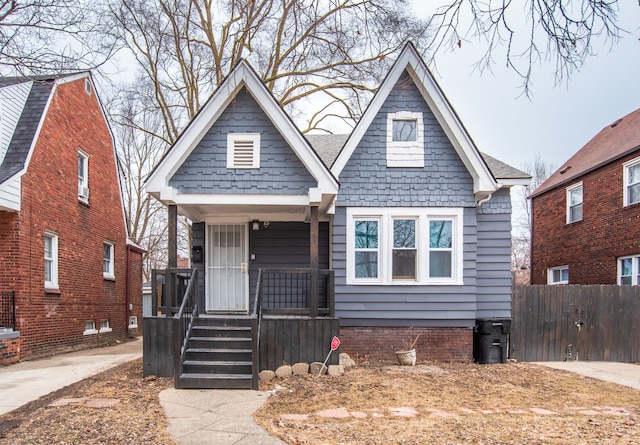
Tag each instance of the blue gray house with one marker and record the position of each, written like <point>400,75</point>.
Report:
<point>399,228</point>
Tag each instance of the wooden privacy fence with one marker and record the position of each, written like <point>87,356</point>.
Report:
<point>576,322</point>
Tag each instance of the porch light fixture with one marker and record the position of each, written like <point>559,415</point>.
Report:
<point>256,225</point>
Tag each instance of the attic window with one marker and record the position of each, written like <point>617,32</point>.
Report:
<point>87,86</point>
<point>405,139</point>
<point>243,150</point>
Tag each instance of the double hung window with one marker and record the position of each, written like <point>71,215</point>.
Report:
<point>83,176</point>
<point>629,270</point>
<point>50,260</point>
<point>574,203</point>
<point>631,180</point>
<point>404,246</point>
<point>108,260</point>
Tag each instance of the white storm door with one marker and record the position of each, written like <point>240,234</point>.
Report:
<point>227,280</point>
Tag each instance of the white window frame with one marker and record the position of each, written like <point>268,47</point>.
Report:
<point>104,326</point>
<point>90,328</point>
<point>635,269</point>
<point>560,269</point>
<point>405,153</point>
<point>378,277</point>
<point>108,272</point>
<point>247,138</point>
<point>52,283</point>
<point>625,179</point>
<point>570,191</point>
<point>422,216</point>
<point>83,180</point>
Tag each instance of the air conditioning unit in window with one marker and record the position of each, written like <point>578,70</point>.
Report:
<point>83,192</point>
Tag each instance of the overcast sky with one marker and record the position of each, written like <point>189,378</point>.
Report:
<point>559,120</point>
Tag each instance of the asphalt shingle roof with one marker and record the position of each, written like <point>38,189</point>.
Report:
<point>614,141</point>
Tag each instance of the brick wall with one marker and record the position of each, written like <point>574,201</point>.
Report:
<point>589,247</point>
<point>9,350</point>
<point>51,322</point>
<point>434,344</point>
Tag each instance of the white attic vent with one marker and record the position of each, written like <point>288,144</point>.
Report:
<point>243,150</point>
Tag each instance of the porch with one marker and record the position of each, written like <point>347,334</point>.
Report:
<point>291,320</point>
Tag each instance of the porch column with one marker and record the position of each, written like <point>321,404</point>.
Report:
<point>172,210</point>
<point>313,260</point>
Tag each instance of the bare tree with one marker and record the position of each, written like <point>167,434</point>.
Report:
<point>330,52</point>
<point>524,33</point>
<point>51,35</point>
<point>521,234</point>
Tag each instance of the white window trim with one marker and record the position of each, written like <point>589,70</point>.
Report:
<point>105,329</point>
<point>232,138</point>
<point>625,180</point>
<point>568,199</point>
<point>90,331</point>
<point>53,283</point>
<point>550,275</point>
<point>635,269</point>
<point>422,216</point>
<point>405,153</point>
<point>110,274</point>
<point>83,183</point>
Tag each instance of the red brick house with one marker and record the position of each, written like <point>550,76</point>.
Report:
<point>586,216</point>
<point>69,278</point>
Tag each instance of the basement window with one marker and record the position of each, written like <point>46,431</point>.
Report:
<point>243,150</point>
<point>104,326</point>
<point>90,327</point>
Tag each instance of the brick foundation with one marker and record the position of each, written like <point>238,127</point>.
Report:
<point>9,349</point>
<point>434,344</point>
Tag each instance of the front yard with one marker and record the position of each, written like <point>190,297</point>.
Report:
<point>452,403</point>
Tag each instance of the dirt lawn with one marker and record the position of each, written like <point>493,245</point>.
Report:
<point>513,403</point>
<point>433,403</point>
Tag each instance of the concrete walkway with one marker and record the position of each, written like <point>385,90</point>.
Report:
<point>26,381</point>
<point>627,374</point>
<point>216,417</point>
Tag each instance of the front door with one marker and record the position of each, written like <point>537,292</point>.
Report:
<point>227,280</point>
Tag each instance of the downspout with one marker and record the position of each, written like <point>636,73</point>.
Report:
<point>126,293</point>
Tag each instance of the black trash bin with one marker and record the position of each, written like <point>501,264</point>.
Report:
<point>491,340</point>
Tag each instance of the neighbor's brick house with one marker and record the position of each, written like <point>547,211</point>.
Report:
<point>63,242</point>
<point>586,216</point>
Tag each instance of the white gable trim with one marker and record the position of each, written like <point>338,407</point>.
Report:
<point>483,182</point>
<point>242,75</point>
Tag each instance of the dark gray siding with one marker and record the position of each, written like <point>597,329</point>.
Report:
<point>438,306</point>
<point>367,182</point>
<point>284,245</point>
<point>197,239</point>
<point>205,170</point>
<point>494,256</point>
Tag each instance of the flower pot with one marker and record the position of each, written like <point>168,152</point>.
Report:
<point>407,358</point>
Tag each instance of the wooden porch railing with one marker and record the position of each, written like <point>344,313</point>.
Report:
<point>8,310</point>
<point>186,314</point>
<point>308,292</point>
<point>168,287</point>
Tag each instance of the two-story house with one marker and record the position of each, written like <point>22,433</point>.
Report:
<point>69,278</point>
<point>400,228</point>
<point>586,215</point>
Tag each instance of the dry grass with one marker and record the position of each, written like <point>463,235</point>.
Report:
<point>457,404</point>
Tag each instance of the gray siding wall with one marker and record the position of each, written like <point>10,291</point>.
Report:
<point>436,306</point>
<point>443,182</point>
<point>205,170</point>
<point>494,256</point>
<point>367,182</point>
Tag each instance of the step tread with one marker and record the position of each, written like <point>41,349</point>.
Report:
<point>218,362</point>
<point>221,328</point>
<point>247,339</point>
<point>192,375</point>
<point>223,350</point>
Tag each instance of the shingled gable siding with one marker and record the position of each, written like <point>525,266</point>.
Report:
<point>367,182</point>
<point>494,257</point>
<point>205,170</point>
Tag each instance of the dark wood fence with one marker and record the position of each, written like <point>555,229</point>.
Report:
<point>576,322</point>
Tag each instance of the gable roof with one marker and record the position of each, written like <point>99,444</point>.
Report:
<point>242,75</point>
<point>328,147</point>
<point>484,184</point>
<point>23,138</point>
<point>614,141</point>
